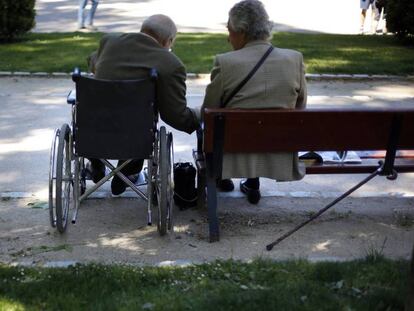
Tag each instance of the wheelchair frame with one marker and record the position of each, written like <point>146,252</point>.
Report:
<point>67,174</point>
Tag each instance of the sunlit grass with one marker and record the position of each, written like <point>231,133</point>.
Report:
<point>323,53</point>
<point>9,305</point>
<point>375,284</point>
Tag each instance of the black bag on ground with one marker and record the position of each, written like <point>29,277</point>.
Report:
<point>185,193</point>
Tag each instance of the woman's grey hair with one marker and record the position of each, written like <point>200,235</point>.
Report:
<point>160,26</point>
<point>250,17</point>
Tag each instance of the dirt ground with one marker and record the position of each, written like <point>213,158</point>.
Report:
<point>114,230</point>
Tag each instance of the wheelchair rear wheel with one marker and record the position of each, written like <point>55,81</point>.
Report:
<point>64,180</point>
<point>151,189</point>
<point>52,178</point>
<point>170,188</point>
<point>164,182</point>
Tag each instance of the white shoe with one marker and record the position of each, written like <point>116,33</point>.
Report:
<point>92,28</point>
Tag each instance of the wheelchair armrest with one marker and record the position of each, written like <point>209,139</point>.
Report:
<point>71,98</point>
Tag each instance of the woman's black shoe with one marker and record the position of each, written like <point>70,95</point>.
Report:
<point>253,195</point>
<point>225,185</point>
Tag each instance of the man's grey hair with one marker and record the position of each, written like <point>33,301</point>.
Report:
<point>250,17</point>
<point>160,26</point>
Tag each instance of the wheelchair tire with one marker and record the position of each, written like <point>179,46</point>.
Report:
<point>64,180</point>
<point>170,188</point>
<point>164,183</point>
<point>52,178</point>
<point>151,189</point>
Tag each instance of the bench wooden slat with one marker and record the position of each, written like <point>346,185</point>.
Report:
<point>310,129</point>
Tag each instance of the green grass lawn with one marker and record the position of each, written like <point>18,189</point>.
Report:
<point>368,284</point>
<point>323,53</point>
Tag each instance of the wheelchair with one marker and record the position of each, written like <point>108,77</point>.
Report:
<point>111,120</point>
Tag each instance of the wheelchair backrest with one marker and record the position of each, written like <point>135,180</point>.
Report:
<point>114,119</point>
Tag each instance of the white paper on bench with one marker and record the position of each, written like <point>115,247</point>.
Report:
<point>331,157</point>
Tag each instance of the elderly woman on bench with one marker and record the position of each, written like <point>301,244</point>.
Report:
<point>256,75</point>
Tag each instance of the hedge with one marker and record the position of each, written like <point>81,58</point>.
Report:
<point>16,18</point>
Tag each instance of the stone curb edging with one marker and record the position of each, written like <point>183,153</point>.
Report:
<point>16,195</point>
<point>182,263</point>
<point>67,263</point>
<point>309,76</point>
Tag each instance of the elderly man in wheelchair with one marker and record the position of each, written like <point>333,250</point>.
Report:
<point>115,117</point>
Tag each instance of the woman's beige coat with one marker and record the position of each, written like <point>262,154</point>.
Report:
<point>278,83</point>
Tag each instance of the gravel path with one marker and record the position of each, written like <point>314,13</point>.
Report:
<point>115,230</point>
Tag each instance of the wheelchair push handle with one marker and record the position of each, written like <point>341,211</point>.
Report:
<point>76,74</point>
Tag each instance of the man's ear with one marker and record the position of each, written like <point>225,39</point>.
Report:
<point>165,43</point>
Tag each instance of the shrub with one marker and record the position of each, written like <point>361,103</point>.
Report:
<point>16,18</point>
<point>400,17</point>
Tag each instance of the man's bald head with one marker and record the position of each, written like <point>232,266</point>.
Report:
<point>160,27</point>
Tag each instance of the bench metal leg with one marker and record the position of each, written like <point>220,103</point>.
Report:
<point>212,210</point>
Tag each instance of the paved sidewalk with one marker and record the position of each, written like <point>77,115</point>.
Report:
<point>33,107</point>
<point>338,16</point>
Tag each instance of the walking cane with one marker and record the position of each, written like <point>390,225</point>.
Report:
<point>270,246</point>
<point>386,168</point>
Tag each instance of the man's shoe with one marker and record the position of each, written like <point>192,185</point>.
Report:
<point>225,185</point>
<point>118,186</point>
<point>253,195</point>
<point>96,169</point>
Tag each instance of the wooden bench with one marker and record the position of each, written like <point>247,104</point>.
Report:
<point>262,131</point>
